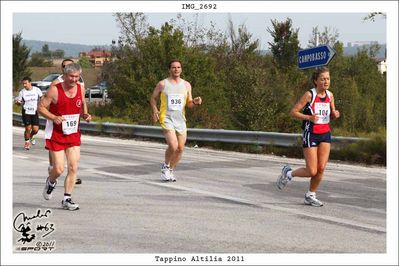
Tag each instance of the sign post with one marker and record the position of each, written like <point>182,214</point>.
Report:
<point>316,56</point>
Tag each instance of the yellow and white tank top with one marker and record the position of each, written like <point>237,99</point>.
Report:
<point>173,100</point>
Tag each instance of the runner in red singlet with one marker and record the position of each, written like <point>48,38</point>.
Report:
<point>64,62</point>
<point>63,106</point>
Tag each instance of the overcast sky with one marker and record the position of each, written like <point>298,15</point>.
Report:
<point>101,28</point>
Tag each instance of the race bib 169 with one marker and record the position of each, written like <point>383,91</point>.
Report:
<point>70,124</point>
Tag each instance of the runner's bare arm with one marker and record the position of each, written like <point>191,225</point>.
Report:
<point>85,110</point>
<point>190,101</point>
<point>334,112</point>
<point>296,110</point>
<point>154,100</point>
<point>18,100</point>
<point>44,105</point>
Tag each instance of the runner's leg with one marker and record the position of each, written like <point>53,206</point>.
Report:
<point>181,139</point>
<point>323,152</point>
<point>311,163</point>
<point>73,156</point>
<point>58,164</point>
<point>172,141</point>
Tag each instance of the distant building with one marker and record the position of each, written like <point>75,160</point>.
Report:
<point>361,43</point>
<point>381,64</point>
<point>97,58</point>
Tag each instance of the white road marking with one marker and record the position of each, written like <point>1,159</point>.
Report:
<point>249,202</point>
<point>20,156</point>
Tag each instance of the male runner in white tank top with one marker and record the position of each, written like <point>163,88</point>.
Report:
<point>175,94</point>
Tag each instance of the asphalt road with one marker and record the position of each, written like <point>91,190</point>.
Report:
<point>222,202</point>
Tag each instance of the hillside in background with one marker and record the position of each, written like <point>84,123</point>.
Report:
<point>70,49</point>
<point>73,50</point>
<point>353,50</point>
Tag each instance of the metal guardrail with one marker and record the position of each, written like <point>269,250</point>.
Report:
<point>194,134</point>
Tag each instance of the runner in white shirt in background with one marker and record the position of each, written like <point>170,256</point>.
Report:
<point>29,98</point>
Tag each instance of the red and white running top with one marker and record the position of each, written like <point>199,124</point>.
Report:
<point>70,109</point>
<point>320,107</point>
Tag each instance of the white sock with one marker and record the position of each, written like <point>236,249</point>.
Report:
<point>289,174</point>
<point>310,193</point>
<point>66,197</point>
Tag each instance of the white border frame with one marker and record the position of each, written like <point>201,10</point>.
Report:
<point>388,7</point>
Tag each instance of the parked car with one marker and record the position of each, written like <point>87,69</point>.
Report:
<point>99,90</point>
<point>44,84</point>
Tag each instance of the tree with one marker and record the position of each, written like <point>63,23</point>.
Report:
<point>285,45</point>
<point>241,44</point>
<point>246,90</point>
<point>242,89</point>
<point>196,35</point>
<point>46,53</point>
<point>373,50</point>
<point>328,36</point>
<point>359,91</point>
<point>143,63</point>
<point>372,86</point>
<point>132,26</point>
<point>142,56</point>
<point>38,60</point>
<point>84,62</point>
<point>372,16</point>
<point>19,60</point>
<point>58,53</point>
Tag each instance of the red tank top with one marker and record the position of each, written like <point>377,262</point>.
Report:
<point>70,109</point>
<point>322,109</point>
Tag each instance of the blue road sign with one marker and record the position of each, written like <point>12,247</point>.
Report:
<point>316,56</point>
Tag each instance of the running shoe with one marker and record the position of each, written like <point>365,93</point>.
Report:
<point>165,173</point>
<point>33,140</point>
<point>48,190</point>
<point>78,181</point>
<point>283,179</point>
<point>27,145</point>
<point>69,205</point>
<point>313,201</point>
